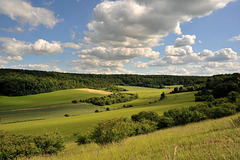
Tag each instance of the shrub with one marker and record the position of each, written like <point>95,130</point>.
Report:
<point>67,115</point>
<point>74,101</point>
<point>109,131</point>
<point>13,146</point>
<point>143,127</point>
<point>162,96</point>
<point>50,143</point>
<point>96,111</point>
<point>165,122</point>
<point>82,139</point>
<point>152,116</point>
<point>107,109</point>
<point>184,115</point>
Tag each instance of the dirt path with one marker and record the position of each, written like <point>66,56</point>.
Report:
<point>94,91</point>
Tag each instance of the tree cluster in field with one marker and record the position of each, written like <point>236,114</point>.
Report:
<point>115,130</point>
<point>114,89</point>
<point>16,82</point>
<point>219,86</point>
<point>13,146</point>
<point>183,89</point>
<point>111,99</point>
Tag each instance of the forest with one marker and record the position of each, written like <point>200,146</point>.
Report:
<point>18,82</point>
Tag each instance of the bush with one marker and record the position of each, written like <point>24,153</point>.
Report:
<point>184,115</point>
<point>162,96</point>
<point>165,122</point>
<point>109,131</point>
<point>67,115</point>
<point>50,143</point>
<point>143,127</point>
<point>107,109</point>
<point>96,111</point>
<point>152,116</point>
<point>13,146</point>
<point>74,101</point>
<point>82,139</point>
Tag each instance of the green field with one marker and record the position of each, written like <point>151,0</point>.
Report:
<point>44,99</point>
<point>84,122</point>
<point>211,139</point>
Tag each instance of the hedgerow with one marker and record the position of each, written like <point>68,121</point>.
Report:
<point>111,99</point>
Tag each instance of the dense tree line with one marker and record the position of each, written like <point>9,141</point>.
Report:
<point>111,99</point>
<point>218,86</point>
<point>17,82</point>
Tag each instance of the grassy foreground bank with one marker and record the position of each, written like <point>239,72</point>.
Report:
<point>211,139</point>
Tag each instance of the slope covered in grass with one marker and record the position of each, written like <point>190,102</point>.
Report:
<point>45,99</point>
<point>211,139</point>
<point>69,125</point>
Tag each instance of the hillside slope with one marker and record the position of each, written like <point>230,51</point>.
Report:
<point>211,139</point>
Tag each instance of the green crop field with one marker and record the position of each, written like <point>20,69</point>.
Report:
<point>84,122</point>
<point>44,99</point>
<point>211,139</point>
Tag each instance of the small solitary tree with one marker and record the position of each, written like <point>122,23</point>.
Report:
<point>162,96</point>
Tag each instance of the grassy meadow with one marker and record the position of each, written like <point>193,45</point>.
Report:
<point>46,99</point>
<point>210,139</point>
<point>84,122</point>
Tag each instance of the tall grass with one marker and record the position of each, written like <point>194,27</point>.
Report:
<point>211,139</point>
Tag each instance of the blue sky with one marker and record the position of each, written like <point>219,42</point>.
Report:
<point>176,37</point>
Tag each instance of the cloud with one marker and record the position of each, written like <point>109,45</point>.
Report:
<point>213,68</point>
<point>13,47</point>
<point>99,66</point>
<point>24,13</point>
<point>224,54</point>
<point>8,59</point>
<point>118,53</point>
<point>15,29</point>
<point>141,23</point>
<point>71,45</point>
<point>236,38</point>
<point>184,54</point>
<point>185,40</point>
<point>172,70</point>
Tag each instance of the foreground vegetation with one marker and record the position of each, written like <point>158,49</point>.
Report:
<point>211,139</point>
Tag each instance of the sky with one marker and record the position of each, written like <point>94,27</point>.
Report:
<point>156,37</point>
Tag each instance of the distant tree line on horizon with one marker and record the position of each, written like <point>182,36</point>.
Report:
<point>18,82</point>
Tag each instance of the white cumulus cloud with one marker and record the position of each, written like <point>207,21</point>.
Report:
<point>224,54</point>
<point>13,47</point>
<point>141,23</point>
<point>185,40</point>
<point>71,45</point>
<point>24,13</point>
<point>118,53</point>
